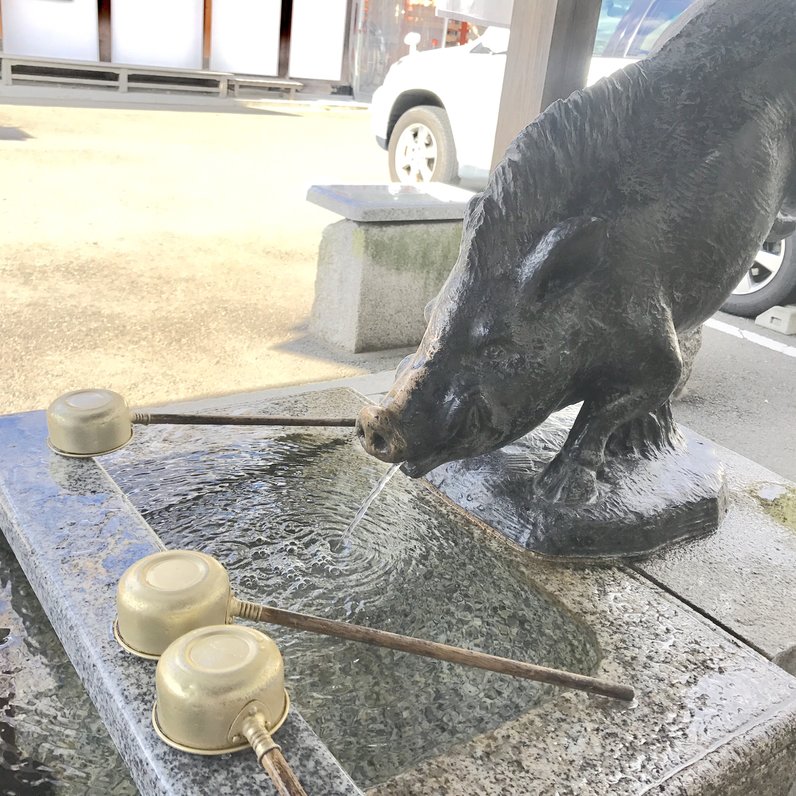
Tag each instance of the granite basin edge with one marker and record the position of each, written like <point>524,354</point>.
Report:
<point>75,584</point>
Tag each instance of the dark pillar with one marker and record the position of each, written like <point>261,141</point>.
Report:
<point>284,37</point>
<point>104,22</point>
<point>549,56</point>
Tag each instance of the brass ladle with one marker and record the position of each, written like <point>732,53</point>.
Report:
<point>87,423</point>
<point>165,595</point>
<point>220,689</point>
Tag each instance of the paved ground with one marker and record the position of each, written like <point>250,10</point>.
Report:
<point>168,253</point>
<point>743,395</point>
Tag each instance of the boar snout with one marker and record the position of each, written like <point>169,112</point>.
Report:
<point>379,435</point>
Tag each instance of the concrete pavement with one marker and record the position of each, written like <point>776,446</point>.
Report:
<point>743,396</point>
<point>167,252</point>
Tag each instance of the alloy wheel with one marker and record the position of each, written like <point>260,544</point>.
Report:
<point>416,154</point>
<point>766,266</point>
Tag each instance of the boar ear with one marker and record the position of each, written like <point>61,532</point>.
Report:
<point>566,254</point>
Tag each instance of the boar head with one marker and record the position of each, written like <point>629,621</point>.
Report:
<point>499,353</point>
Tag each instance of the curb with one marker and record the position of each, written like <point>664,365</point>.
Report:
<point>68,95</point>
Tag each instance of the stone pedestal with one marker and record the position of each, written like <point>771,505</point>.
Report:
<point>644,503</point>
<point>379,268</point>
<point>375,279</point>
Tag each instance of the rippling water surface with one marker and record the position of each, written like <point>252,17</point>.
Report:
<point>51,739</point>
<point>274,507</point>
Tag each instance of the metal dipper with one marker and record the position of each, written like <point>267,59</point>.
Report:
<point>87,423</point>
<point>220,689</point>
<point>165,595</point>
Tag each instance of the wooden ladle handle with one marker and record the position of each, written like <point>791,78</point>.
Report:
<point>430,649</point>
<point>271,758</point>
<point>282,775</point>
<point>155,418</point>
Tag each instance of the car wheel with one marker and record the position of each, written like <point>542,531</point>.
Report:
<point>771,281</point>
<point>421,147</point>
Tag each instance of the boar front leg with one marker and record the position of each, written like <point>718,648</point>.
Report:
<point>571,477</point>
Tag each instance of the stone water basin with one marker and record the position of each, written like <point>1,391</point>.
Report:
<point>274,505</point>
<point>51,738</point>
<point>711,717</point>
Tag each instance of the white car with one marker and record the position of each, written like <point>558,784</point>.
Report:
<point>436,115</point>
<point>436,112</point>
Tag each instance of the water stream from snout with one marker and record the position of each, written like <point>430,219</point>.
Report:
<point>345,538</point>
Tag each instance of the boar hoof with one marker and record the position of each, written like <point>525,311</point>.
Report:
<point>565,481</point>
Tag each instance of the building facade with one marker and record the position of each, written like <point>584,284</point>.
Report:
<point>339,46</point>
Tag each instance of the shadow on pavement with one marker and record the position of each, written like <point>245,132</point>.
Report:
<point>310,347</point>
<point>13,134</point>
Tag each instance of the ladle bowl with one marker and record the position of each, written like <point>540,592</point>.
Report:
<point>88,422</point>
<point>165,595</point>
<point>85,423</point>
<point>220,689</point>
<point>209,681</point>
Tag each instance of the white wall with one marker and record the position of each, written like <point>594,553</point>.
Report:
<point>157,32</point>
<point>245,36</point>
<point>482,12</point>
<point>51,28</point>
<point>317,36</point>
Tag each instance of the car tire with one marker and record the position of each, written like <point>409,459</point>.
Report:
<point>770,282</point>
<point>422,148</point>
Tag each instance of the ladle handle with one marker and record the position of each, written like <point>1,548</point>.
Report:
<point>432,649</point>
<point>282,775</point>
<point>271,758</point>
<point>147,419</point>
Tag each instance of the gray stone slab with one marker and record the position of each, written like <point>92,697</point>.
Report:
<point>743,576</point>
<point>393,202</point>
<point>630,617</point>
<point>711,717</point>
<point>678,738</point>
<point>74,534</point>
<point>51,733</point>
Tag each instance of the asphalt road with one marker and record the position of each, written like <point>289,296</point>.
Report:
<point>743,395</point>
<point>168,253</point>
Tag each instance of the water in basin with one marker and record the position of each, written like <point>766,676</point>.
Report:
<point>274,505</point>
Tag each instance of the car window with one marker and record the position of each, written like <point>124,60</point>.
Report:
<point>611,14</point>
<point>660,15</point>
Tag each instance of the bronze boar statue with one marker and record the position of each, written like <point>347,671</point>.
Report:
<point>617,223</point>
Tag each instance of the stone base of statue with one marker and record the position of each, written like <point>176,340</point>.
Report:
<point>644,501</point>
